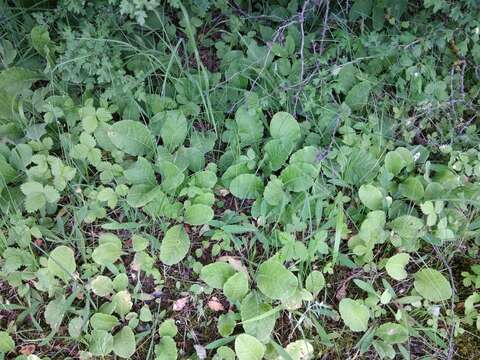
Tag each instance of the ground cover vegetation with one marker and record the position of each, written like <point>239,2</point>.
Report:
<point>245,180</point>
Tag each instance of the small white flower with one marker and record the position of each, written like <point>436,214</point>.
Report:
<point>477,30</point>
<point>436,311</point>
<point>416,156</point>
<point>416,74</point>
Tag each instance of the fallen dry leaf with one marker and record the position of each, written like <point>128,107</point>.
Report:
<point>27,349</point>
<point>215,305</point>
<point>179,304</point>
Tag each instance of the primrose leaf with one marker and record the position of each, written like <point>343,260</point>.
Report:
<point>124,343</point>
<point>166,349</point>
<point>300,350</point>
<point>357,96</point>
<point>354,314</point>
<point>299,176</point>
<point>226,324</point>
<point>249,348</point>
<point>284,126</point>
<point>102,285</point>
<point>249,125</point>
<point>174,129</point>
<point>396,266</point>
<point>175,245</point>
<point>371,196</point>
<point>54,313</point>
<point>106,254</point>
<point>100,321</point>
<point>198,214</point>
<point>101,343</point>
<point>246,186</point>
<point>392,333</point>
<point>216,274</point>
<point>6,342</point>
<point>315,282</point>
<point>236,287</point>
<point>253,307</point>
<point>132,137</point>
<point>432,285</point>
<point>394,162</point>
<point>412,189</point>
<point>275,280</point>
<point>61,262</point>
<point>168,328</point>
<point>273,193</point>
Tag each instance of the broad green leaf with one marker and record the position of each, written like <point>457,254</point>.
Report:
<point>315,282</point>
<point>432,285</point>
<point>273,193</point>
<point>100,321</point>
<point>198,214</point>
<point>249,125</point>
<point>248,348</point>
<point>357,96</point>
<point>412,189</point>
<point>300,350</point>
<point>6,342</point>
<point>132,137</point>
<point>166,349</point>
<point>226,324</point>
<point>123,302</point>
<point>254,307</point>
<point>54,313</point>
<point>392,333</point>
<point>216,274</point>
<point>360,8</point>
<point>246,186</point>
<point>277,152</point>
<point>75,327</point>
<point>408,226</point>
<point>276,281</point>
<point>236,287</point>
<point>394,162</point>
<point>371,196</point>
<point>354,314</point>
<point>141,172</point>
<point>174,129</point>
<point>299,176</point>
<point>396,266</point>
<point>175,245</point>
<point>101,343</point>
<point>124,343</point>
<point>284,126</point>
<point>102,285</point>
<point>61,262</point>
<point>168,328</point>
<point>172,175</point>
<point>106,254</point>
